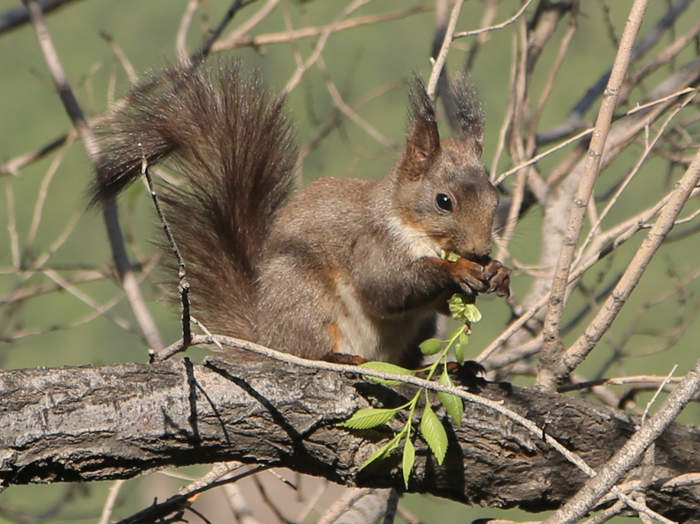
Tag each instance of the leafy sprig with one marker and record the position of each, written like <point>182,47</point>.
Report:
<point>430,426</point>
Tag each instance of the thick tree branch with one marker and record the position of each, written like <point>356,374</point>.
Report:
<point>92,423</point>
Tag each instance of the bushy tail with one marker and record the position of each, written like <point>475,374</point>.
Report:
<point>235,149</point>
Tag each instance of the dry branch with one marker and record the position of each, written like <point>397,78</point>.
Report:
<point>551,349</point>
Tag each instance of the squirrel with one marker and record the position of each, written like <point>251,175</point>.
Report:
<point>345,266</point>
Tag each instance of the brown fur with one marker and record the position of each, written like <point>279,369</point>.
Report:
<point>348,265</point>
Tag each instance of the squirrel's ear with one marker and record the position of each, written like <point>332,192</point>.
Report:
<point>423,141</point>
<point>469,114</point>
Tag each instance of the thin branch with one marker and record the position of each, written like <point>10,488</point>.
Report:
<point>184,498</point>
<point>12,225</point>
<point>441,58</point>
<point>13,166</point>
<point>82,127</point>
<point>575,354</point>
<point>181,36</point>
<point>652,380</point>
<point>481,30</point>
<point>43,192</point>
<point>183,286</point>
<point>552,345</point>
<point>101,310</point>
<point>200,54</point>
<point>604,245</point>
<point>320,44</point>
<point>574,121</point>
<point>349,112</point>
<point>264,39</point>
<point>112,495</point>
<point>595,227</point>
<point>17,16</point>
<point>254,20</point>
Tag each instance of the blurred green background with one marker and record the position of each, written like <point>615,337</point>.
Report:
<point>359,61</point>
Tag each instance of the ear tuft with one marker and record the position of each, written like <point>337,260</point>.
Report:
<point>423,141</point>
<point>469,117</point>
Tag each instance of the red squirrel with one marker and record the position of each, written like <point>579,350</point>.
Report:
<point>346,266</point>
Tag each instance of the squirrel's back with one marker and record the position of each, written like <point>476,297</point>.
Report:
<point>234,148</point>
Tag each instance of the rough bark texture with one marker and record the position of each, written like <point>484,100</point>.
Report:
<point>90,423</point>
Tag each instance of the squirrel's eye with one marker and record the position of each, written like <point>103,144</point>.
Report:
<point>444,202</point>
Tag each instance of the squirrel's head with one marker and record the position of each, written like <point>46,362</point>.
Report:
<point>442,188</point>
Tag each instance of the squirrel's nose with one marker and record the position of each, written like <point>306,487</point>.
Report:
<point>479,248</point>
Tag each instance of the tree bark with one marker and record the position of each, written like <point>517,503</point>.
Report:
<point>96,423</point>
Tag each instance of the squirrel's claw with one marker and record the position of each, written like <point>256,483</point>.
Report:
<point>498,277</point>
<point>470,276</point>
<point>473,277</point>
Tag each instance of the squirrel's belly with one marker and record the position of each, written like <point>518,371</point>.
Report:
<point>356,332</point>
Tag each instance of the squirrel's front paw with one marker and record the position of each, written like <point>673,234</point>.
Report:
<point>498,278</point>
<point>469,275</point>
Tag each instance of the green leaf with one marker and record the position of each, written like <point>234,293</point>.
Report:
<point>409,458</point>
<point>472,313</point>
<point>456,306</point>
<point>383,451</point>
<point>459,353</point>
<point>452,403</point>
<point>366,418</point>
<point>389,368</point>
<point>430,346</point>
<point>460,343</point>
<point>453,257</point>
<point>434,433</point>
<point>456,301</point>
<point>463,339</point>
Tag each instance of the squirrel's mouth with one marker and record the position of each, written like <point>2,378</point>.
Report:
<point>479,259</point>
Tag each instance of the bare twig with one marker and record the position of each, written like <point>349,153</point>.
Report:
<point>503,24</point>
<point>349,112</point>
<point>110,501</point>
<point>74,111</point>
<point>12,225</point>
<point>121,56</point>
<point>551,344</point>
<point>198,56</point>
<point>627,456</point>
<point>320,44</point>
<point>12,166</point>
<point>360,505</point>
<point>574,122</point>
<point>625,182</point>
<point>264,39</point>
<point>183,286</point>
<point>254,20</point>
<point>444,49</point>
<point>604,245</point>
<point>583,345</point>
<point>43,192</point>
<point>653,380</point>
<point>17,16</point>
<point>101,310</point>
<point>181,37</point>
<point>185,496</point>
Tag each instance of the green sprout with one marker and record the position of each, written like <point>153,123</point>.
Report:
<point>430,426</point>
